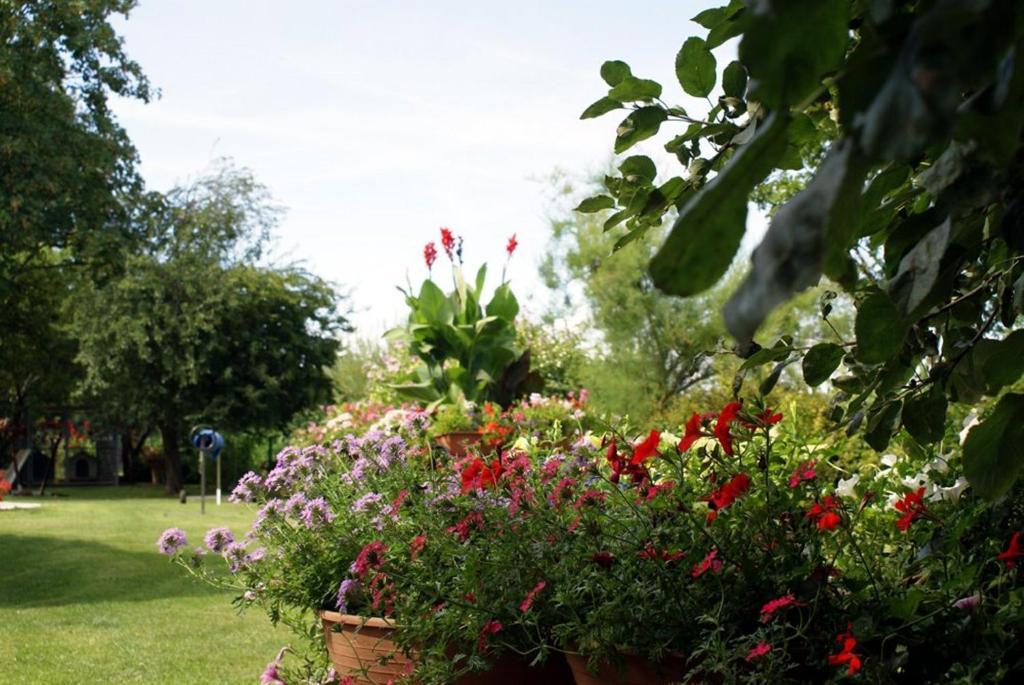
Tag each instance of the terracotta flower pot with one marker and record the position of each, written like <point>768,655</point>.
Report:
<point>634,670</point>
<point>458,443</point>
<point>362,649</point>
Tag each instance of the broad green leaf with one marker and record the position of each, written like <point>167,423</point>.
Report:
<point>879,328</point>
<point>503,304</point>
<point>882,420</point>
<point>1004,363</point>
<point>614,72</point>
<point>639,125</point>
<point>709,228</point>
<point>994,449</point>
<point>695,68</point>
<point>433,305</point>
<point>631,89</point>
<point>919,269</point>
<point>776,353</point>
<point>924,416</point>
<point>734,80</point>
<point>802,237</point>
<point>595,204</point>
<point>481,277</point>
<point>638,167</point>
<point>602,106</point>
<point>820,363</point>
<point>787,59</point>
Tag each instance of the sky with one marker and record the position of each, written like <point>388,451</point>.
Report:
<point>376,123</point>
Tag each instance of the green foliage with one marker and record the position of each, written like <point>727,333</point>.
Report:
<point>890,137</point>
<point>467,350</point>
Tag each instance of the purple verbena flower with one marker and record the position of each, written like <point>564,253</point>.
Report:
<point>245,490</point>
<point>171,540</point>
<point>347,587</point>
<point>218,538</point>
<point>295,505</point>
<point>364,502</point>
<point>317,513</point>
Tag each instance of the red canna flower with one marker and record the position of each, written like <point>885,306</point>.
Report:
<point>758,651</point>
<point>693,431</point>
<point>727,494</point>
<point>769,608</point>
<point>430,254</point>
<point>825,513</point>
<point>492,627</point>
<point>804,472</point>
<point>846,655</point>
<point>525,605</point>
<point>725,418</point>
<point>512,245</point>
<point>447,241</point>
<point>912,507</point>
<point>710,562</point>
<point>1013,552</point>
<point>646,449</point>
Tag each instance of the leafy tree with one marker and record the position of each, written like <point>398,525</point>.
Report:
<point>192,332</point>
<point>907,118</point>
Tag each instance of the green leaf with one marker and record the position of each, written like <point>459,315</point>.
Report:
<point>709,228</point>
<point>602,106</point>
<point>638,168</point>
<point>768,384</point>
<point>994,449</point>
<point>786,59</point>
<point>595,204</point>
<point>640,125</point>
<point>924,416</point>
<point>734,80</point>
<point>631,89</point>
<point>879,328</point>
<point>820,363</point>
<point>776,353</point>
<point>919,269</point>
<point>882,419</point>
<point>503,304</point>
<point>804,235</point>
<point>1004,362</point>
<point>695,68</point>
<point>614,71</point>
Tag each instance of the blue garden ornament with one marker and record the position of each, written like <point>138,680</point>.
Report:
<point>207,441</point>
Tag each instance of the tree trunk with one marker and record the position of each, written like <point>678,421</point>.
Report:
<point>172,458</point>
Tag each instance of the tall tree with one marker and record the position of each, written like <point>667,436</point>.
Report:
<point>193,332</point>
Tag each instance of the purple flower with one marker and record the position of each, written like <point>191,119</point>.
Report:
<point>218,538</point>
<point>270,675</point>
<point>245,490</point>
<point>295,505</point>
<point>417,421</point>
<point>269,510</point>
<point>968,603</point>
<point>347,587</point>
<point>254,556</point>
<point>364,502</point>
<point>171,540</point>
<point>234,554</point>
<point>317,513</point>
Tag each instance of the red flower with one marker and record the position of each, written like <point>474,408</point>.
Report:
<point>527,602</point>
<point>620,466</point>
<point>846,655</point>
<point>693,431</point>
<point>492,627</point>
<point>478,475</point>
<point>758,651</point>
<point>651,553</point>
<point>646,449</point>
<point>429,254</point>
<point>711,562</point>
<point>462,528</point>
<point>5,488</point>
<point>769,608</point>
<point>512,245</point>
<point>417,545</point>
<point>768,418</point>
<point>370,557</point>
<point>727,494</point>
<point>1013,552</point>
<point>805,471</point>
<point>447,241</point>
<point>603,559</point>
<point>912,507</point>
<point>726,417</point>
<point>825,513</point>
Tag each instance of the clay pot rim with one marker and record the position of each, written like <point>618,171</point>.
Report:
<point>356,620</point>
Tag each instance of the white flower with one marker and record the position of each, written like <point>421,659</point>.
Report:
<point>846,486</point>
<point>970,422</point>
<point>950,494</point>
<point>938,465</point>
<point>889,460</point>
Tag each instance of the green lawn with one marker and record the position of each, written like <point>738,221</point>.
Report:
<point>86,598</point>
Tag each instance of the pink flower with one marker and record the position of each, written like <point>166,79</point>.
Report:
<point>492,627</point>
<point>527,602</point>
<point>758,651</point>
<point>769,609</point>
<point>804,472</point>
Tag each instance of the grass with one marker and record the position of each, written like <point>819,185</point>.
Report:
<point>86,598</point>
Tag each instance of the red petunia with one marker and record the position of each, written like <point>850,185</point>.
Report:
<point>804,472</point>
<point>646,449</point>
<point>527,602</point>
<point>429,254</point>
<point>846,655</point>
<point>1013,552</point>
<point>693,431</point>
<point>622,467</point>
<point>727,494</point>
<point>825,513</point>
<point>447,241</point>
<point>479,475</point>
<point>725,418</point>
<point>912,507</point>
<point>758,651</point>
<point>512,245</point>
<point>710,562</point>
<point>769,608</point>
